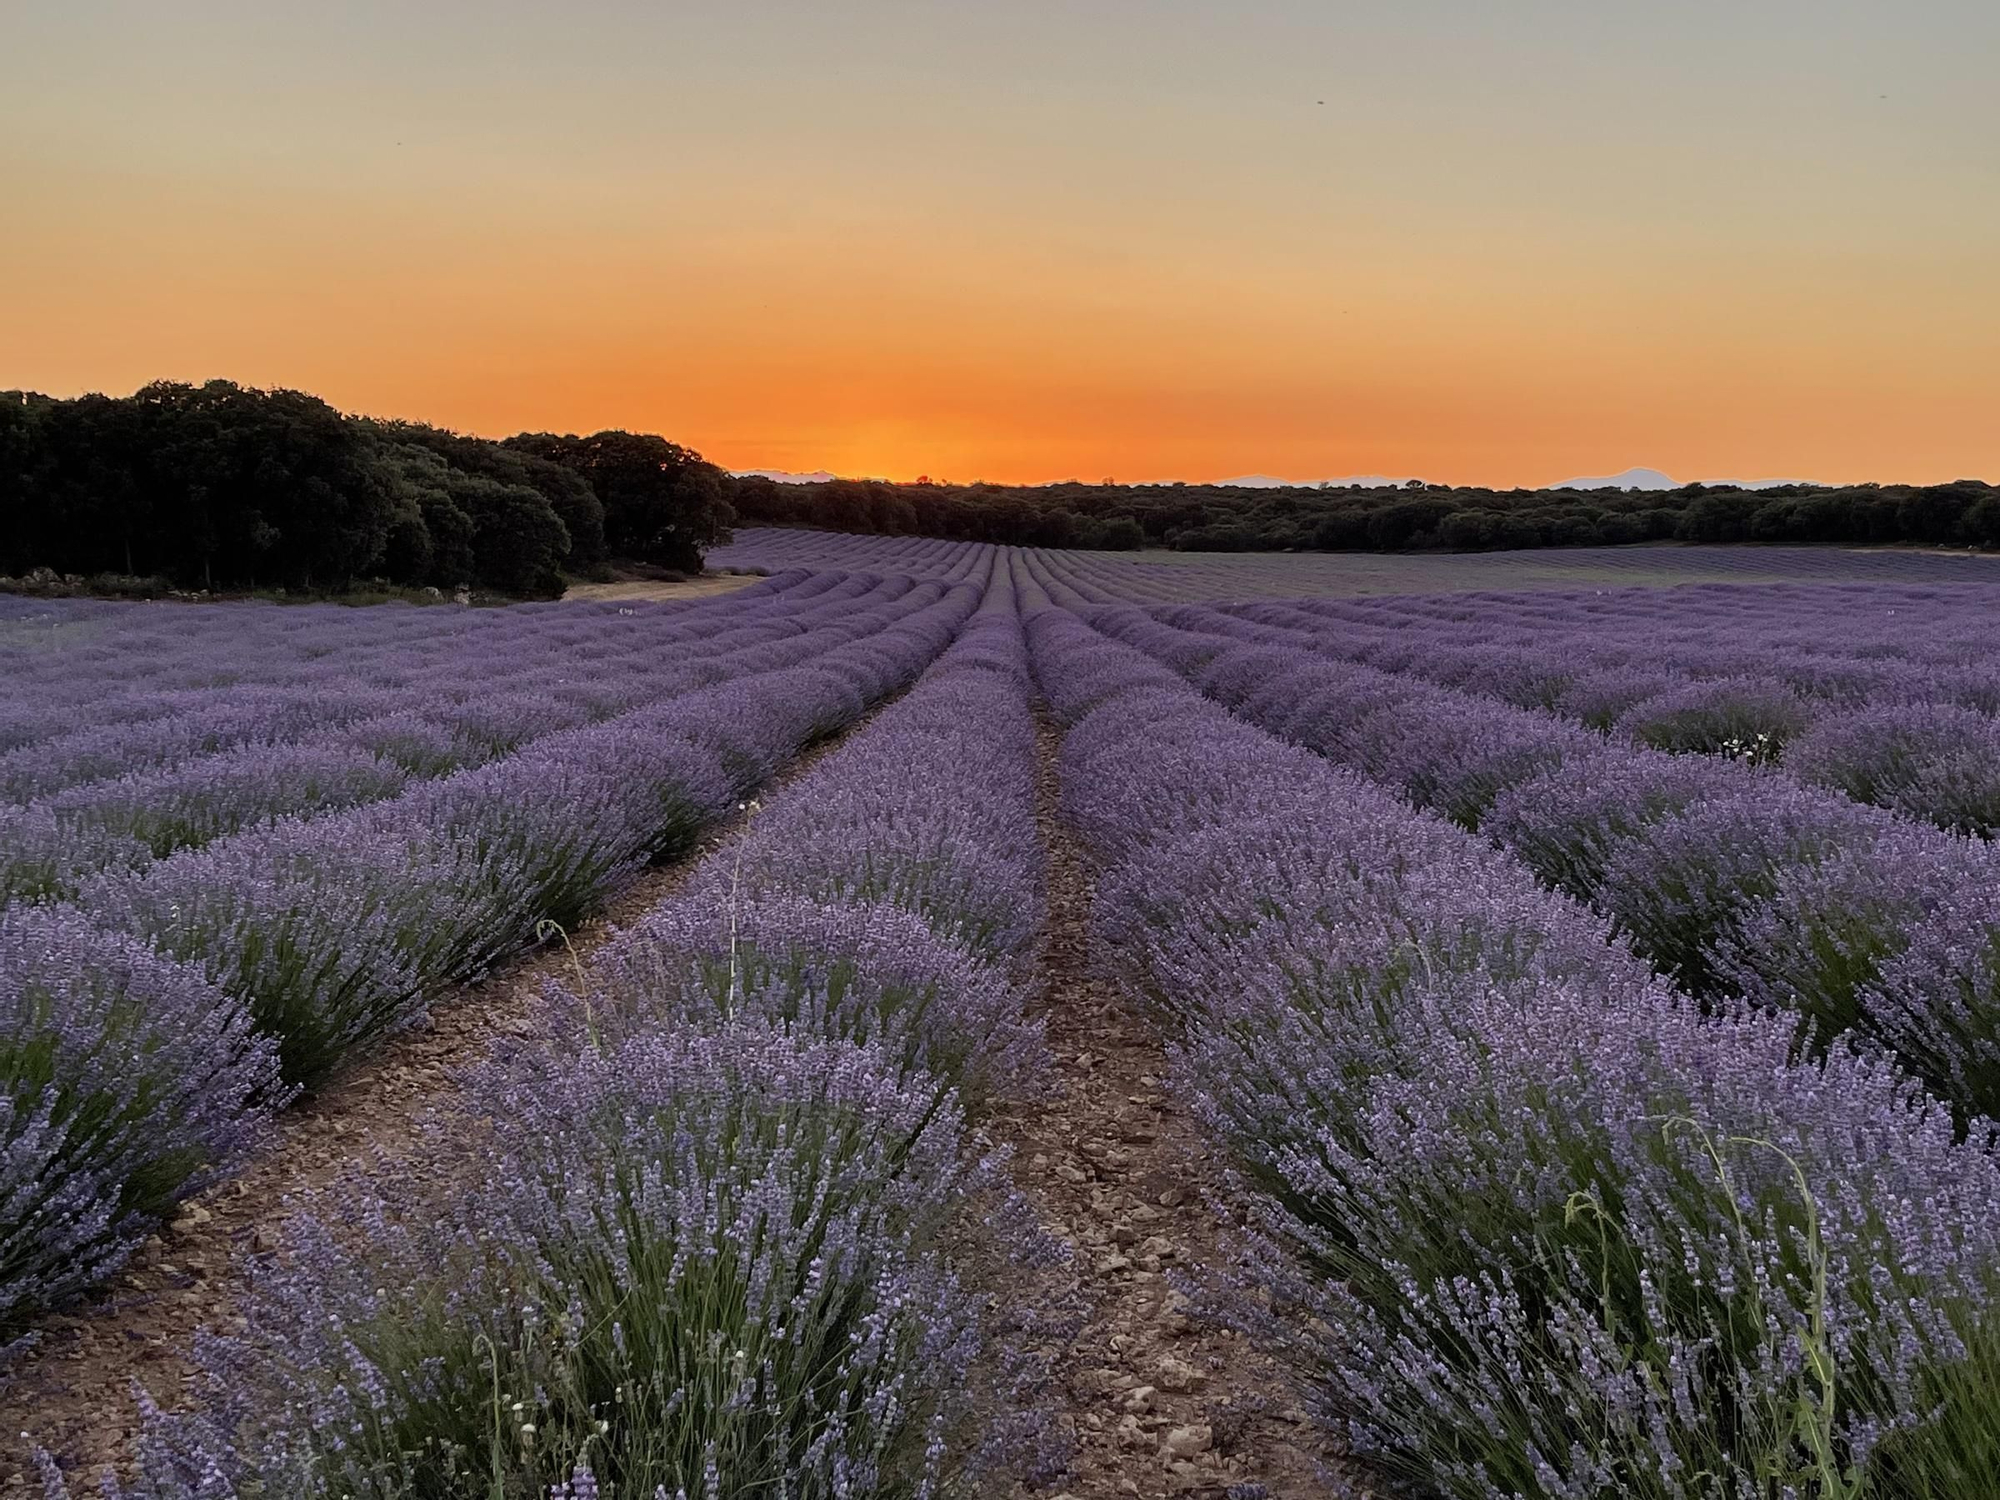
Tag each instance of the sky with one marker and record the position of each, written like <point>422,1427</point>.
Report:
<point>1021,241</point>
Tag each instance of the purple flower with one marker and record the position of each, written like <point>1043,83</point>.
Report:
<point>128,1083</point>
<point>763,1222</point>
<point>1932,761</point>
<point>1554,1231</point>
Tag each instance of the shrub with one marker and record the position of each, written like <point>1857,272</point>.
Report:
<point>860,972</point>
<point>1681,886</point>
<point>331,935</point>
<point>1818,943</point>
<point>1937,1002</point>
<point>1567,824</point>
<point>1929,760</point>
<point>127,1082</point>
<point>1745,718</point>
<point>1556,1248</point>
<point>708,1263</point>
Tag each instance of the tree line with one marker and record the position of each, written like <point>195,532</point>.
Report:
<point>1410,517</point>
<point>222,487</point>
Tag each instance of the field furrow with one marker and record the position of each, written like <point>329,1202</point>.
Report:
<point>950,1020</point>
<point>1158,1400</point>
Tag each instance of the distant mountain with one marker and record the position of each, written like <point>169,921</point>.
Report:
<point>784,476</point>
<point>1631,479</point>
<point>1653,479</point>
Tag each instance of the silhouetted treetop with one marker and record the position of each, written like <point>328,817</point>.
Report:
<point>662,502</point>
<point>1390,518</point>
<point>218,486</point>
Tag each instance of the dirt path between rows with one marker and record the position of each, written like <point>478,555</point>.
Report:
<point>73,1397</point>
<point>1160,1404</point>
<point>707,586</point>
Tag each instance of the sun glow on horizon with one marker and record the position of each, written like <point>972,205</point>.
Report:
<point>1145,242</point>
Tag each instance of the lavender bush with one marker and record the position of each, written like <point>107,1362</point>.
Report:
<point>1556,1232</point>
<point>1458,764</point>
<point>1744,719</point>
<point>891,897</point>
<point>422,744</point>
<point>206,799</point>
<point>930,810</point>
<point>1937,1001</point>
<point>857,971</point>
<point>333,935</point>
<point>1931,761</point>
<point>1819,943</point>
<point>1559,1249</point>
<point>1567,824</point>
<point>43,856</point>
<point>127,1082</point>
<point>711,1264</point>
<point>181,730</point>
<point>1682,886</point>
<point>1602,697</point>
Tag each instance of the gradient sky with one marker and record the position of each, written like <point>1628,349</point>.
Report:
<point>1499,241</point>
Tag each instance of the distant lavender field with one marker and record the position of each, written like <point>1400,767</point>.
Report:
<point>1165,577</point>
<point>1586,963</point>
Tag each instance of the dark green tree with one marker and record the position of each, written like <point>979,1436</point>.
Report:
<point>568,493</point>
<point>663,503</point>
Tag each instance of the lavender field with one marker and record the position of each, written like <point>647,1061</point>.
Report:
<point>950,1020</point>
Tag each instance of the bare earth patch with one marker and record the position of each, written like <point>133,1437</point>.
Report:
<point>705,587</point>
<point>1160,1403</point>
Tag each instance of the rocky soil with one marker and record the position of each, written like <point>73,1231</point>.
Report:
<point>1160,1403</point>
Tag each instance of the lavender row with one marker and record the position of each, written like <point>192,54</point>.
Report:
<point>702,1262</point>
<point>1075,578</point>
<point>1532,1224</point>
<point>325,935</point>
<point>108,670</point>
<point>1080,578</point>
<point>1735,879</point>
<point>86,650</point>
<point>74,729</point>
<point>455,654</point>
<point>742,1173</point>
<point>124,822</point>
<point>163,727</point>
<point>1867,717</point>
<point>897,890</point>
<point>772,549</point>
<point>1602,670</point>
<point>1754,627</point>
<point>334,928</point>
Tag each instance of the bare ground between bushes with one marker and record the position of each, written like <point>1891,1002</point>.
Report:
<point>1159,1403</point>
<point>707,586</point>
<point>73,1394</point>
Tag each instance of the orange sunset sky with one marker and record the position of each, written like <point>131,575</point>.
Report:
<point>1501,241</point>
